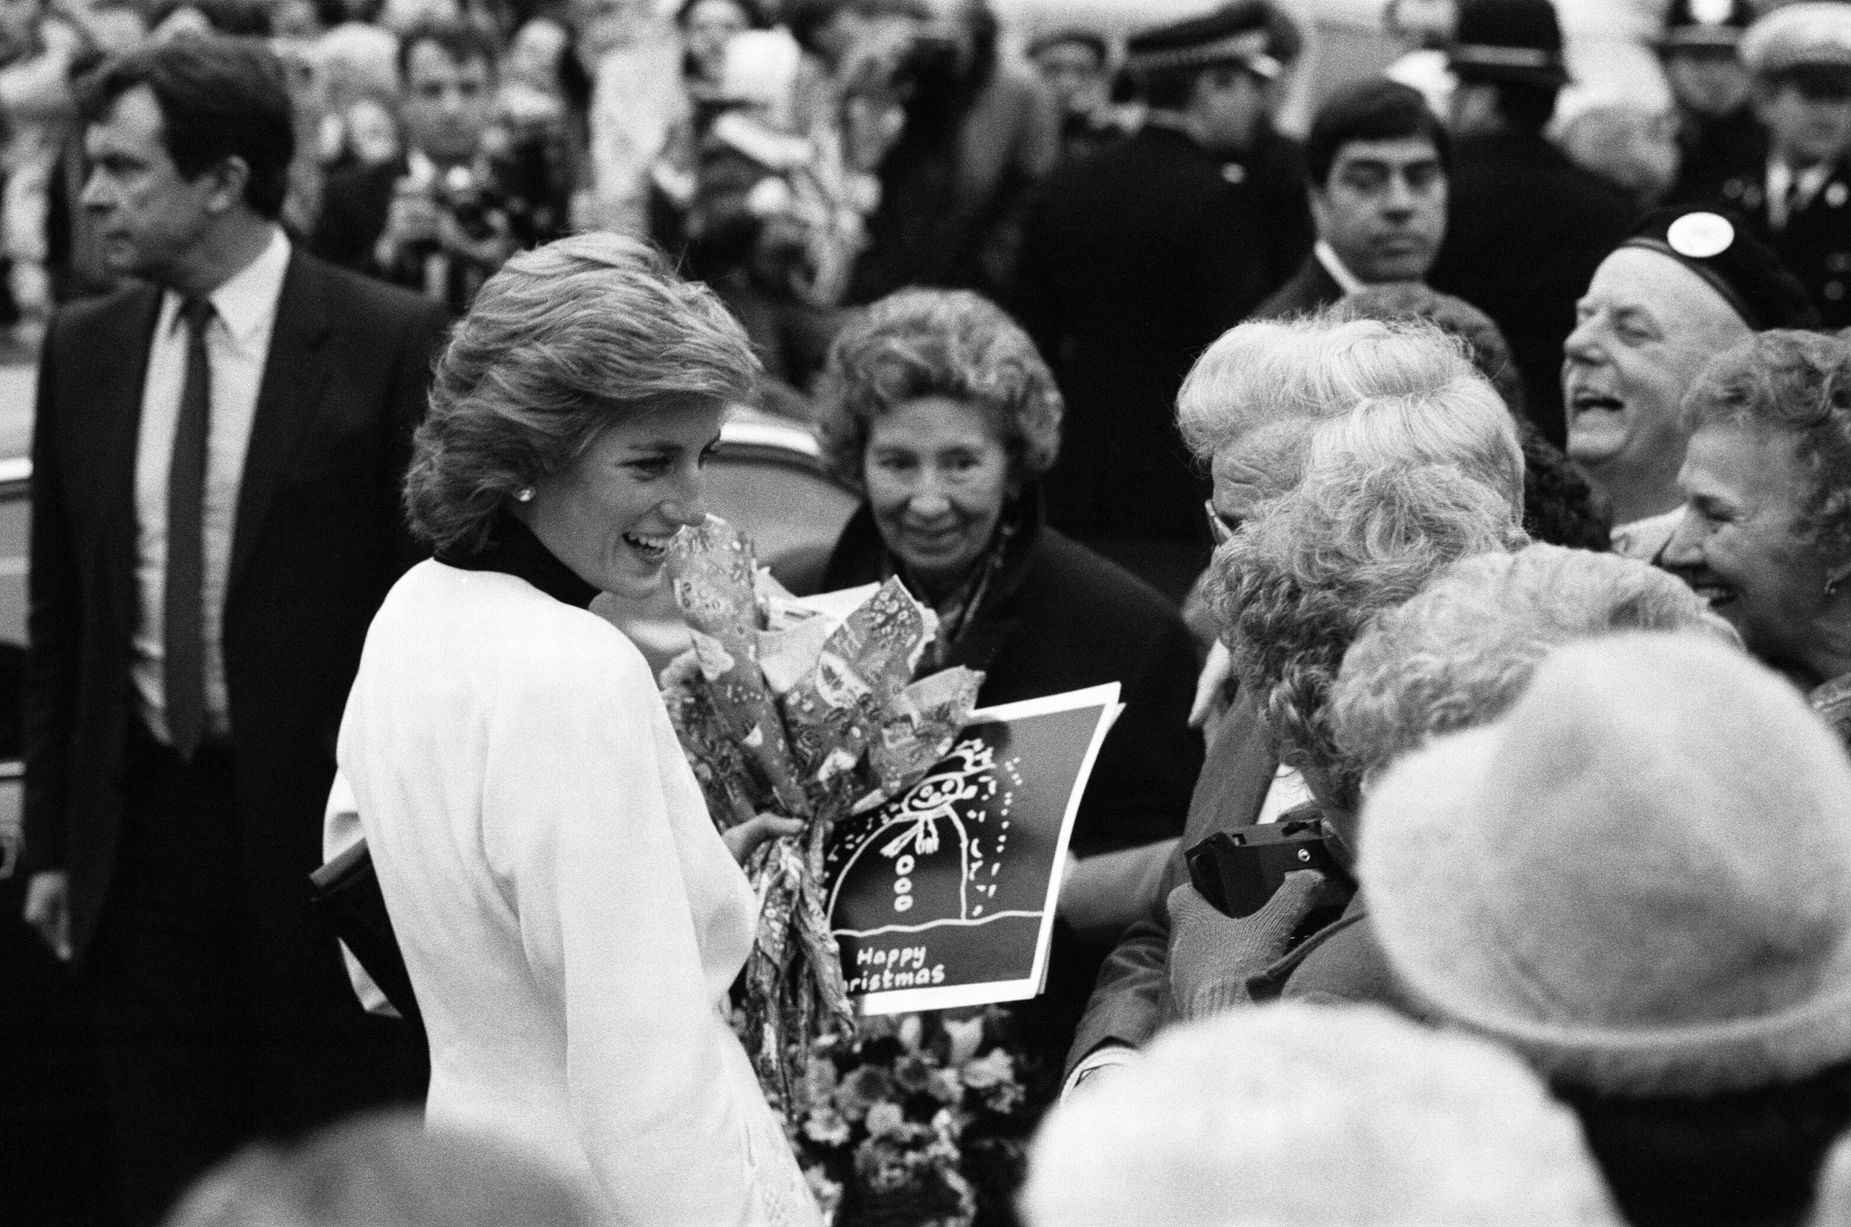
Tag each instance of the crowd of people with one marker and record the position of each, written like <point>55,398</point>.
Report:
<point>1458,491</point>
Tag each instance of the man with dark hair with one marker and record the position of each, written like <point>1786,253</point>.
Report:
<point>439,219</point>
<point>215,517</point>
<point>1135,259</point>
<point>1525,226</point>
<point>1375,164</point>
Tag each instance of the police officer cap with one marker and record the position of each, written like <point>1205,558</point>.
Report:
<point>1518,41</point>
<point>1800,38</point>
<point>1705,25</point>
<point>1717,248</point>
<point>1250,33</point>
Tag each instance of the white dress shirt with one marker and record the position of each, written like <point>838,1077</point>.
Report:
<point>1790,190</point>
<point>237,341</point>
<point>1339,272</point>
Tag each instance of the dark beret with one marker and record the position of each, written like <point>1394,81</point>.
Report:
<point>1719,249</point>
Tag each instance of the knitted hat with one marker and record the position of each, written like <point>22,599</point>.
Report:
<point>1640,877</point>
<point>1248,33</point>
<point>1519,41</point>
<point>1812,37</point>
<point>1293,1114</point>
<point>1705,25</point>
<point>1750,278</point>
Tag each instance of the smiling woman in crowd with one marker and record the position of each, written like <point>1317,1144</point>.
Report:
<point>1766,530</point>
<point>937,406</point>
<point>570,918</point>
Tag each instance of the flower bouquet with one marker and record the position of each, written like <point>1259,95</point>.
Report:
<point>915,1119</point>
<point>808,709</point>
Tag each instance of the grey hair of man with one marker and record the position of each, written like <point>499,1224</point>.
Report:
<point>1392,492</point>
<point>1460,652</point>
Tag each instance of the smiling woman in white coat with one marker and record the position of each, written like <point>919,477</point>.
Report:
<point>570,918</point>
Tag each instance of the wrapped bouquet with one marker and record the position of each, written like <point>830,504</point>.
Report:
<point>807,708</point>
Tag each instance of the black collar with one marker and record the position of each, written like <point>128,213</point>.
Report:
<point>513,550</point>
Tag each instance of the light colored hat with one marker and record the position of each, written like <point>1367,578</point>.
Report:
<point>1800,36</point>
<point>1640,877</point>
<point>1298,1114</point>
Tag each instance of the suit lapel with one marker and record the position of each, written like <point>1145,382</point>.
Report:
<point>115,402</point>
<point>293,378</point>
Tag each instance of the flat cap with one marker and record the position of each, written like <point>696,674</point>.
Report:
<point>1250,33</point>
<point>1800,37</point>
<point>1748,276</point>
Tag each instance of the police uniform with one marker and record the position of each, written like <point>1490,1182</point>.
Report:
<point>1132,262</point>
<point>1711,147</point>
<point>1803,214</point>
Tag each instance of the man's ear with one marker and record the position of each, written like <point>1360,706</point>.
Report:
<point>230,178</point>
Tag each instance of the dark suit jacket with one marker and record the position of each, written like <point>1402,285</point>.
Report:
<point>1815,244</point>
<point>1525,230</point>
<point>1132,994</point>
<point>319,538</point>
<point>1133,261</point>
<point>354,204</point>
<point>1310,288</point>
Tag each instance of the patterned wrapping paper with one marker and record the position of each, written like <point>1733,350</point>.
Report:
<point>781,708</point>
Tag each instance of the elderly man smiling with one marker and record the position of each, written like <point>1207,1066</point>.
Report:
<point>1681,288</point>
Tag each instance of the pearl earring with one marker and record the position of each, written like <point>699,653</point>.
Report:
<point>524,495</point>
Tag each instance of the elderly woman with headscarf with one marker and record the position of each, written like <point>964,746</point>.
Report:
<point>937,406</point>
<point>1766,531</point>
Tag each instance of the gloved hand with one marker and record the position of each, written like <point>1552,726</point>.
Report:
<point>1212,955</point>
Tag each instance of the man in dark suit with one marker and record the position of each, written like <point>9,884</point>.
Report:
<point>1525,227</point>
<point>442,218</point>
<point>1375,166</point>
<point>215,517</point>
<point>1135,259</point>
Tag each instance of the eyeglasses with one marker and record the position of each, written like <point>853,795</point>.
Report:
<point>1221,528</point>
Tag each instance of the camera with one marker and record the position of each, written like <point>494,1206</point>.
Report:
<point>468,200</point>
<point>1238,871</point>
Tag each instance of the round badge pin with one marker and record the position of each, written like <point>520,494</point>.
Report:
<point>1699,236</point>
